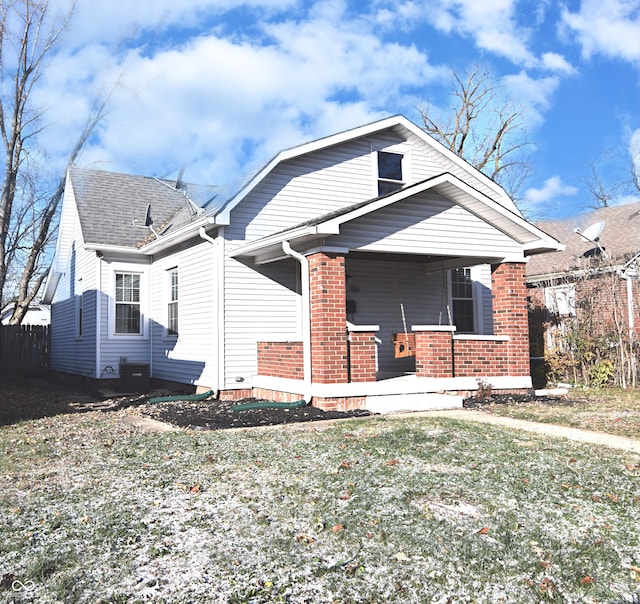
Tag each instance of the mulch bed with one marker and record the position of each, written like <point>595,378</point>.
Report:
<point>218,415</point>
<point>33,399</point>
<point>506,399</point>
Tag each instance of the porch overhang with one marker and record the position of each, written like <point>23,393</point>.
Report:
<point>319,231</point>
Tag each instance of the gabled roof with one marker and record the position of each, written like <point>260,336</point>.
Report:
<point>113,207</point>
<point>398,123</point>
<point>620,239</point>
<point>532,239</point>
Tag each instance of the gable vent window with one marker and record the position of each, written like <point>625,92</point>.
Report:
<point>389,172</point>
<point>462,300</point>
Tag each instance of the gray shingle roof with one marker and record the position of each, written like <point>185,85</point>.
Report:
<point>109,203</point>
<point>620,239</point>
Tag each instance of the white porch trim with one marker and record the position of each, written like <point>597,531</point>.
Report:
<point>403,385</point>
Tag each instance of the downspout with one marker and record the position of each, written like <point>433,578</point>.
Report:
<point>306,316</point>
<point>98,316</point>
<point>206,237</point>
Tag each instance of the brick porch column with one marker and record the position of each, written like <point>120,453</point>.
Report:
<point>433,351</point>
<point>363,355</point>
<point>509,294</point>
<point>328,300</point>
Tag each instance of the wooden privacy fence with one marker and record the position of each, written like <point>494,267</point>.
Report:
<point>24,351</point>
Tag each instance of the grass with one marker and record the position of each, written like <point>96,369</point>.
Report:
<point>366,511</point>
<point>610,410</point>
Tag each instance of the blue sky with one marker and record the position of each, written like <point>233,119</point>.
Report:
<point>224,85</point>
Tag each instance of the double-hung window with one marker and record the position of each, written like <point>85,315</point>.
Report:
<point>172,305</point>
<point>127,303</point>
<point>462,300</point>
<point>390,176</point>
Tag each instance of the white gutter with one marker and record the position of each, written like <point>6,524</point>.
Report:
<point>306,316</point>
<point>216,310</point>
<point>98,321</point>
<point>182,234</point>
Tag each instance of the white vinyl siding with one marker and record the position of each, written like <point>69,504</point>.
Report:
<point>116,347</point>
<point>191,357</point>
<point>309,186</point>
<point>261,303</point>
<point>428,224</point>
<point>77,288</point>
<point>258,305</point>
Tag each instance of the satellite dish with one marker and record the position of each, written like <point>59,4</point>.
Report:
<point>592,233</point>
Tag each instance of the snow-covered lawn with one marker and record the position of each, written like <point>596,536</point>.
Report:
<point>377,510</point>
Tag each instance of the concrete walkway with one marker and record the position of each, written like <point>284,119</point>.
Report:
<point>584,436</point>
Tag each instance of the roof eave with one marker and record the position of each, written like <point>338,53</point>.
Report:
<point>179,236</point>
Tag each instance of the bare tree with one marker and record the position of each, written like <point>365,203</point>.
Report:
<point>483,128</point>
<point>29,34</point>
<point>614,176</point>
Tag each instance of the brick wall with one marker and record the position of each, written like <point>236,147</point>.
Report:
<point>433,354</point>
<point>481,358</point>
<point>362,355</point>
<point>328,301</point>
<point>510,313</point>
<point>281,359</point>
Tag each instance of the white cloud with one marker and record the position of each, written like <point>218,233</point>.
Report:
<point>551,189</point>
<point>491,23</point>
<point>554,62</point>
<point>610,27</point>
<point>534,94</point>
<point>220,100</point>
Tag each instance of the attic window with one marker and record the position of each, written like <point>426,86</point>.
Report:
<point>389,172</point>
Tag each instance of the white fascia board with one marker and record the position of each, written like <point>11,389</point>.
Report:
<point>559,247</point>
<point>516,219</point>
<point>50,286</point>
<point>111,249</point>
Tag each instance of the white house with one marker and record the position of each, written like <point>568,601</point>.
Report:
<point>369,268</point>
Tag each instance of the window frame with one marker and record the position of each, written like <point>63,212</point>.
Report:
<point>472,298</point>
<point>128,269</point>
<point>169,333</point>
<point>394,183</point>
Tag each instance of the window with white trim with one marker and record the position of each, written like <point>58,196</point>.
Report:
<point>462,300</point>
<point>127,304</point>
<point>390,176</point>
<point>172,303</point>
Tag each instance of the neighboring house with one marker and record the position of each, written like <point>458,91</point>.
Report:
<point>37,314</point>
<point>591,284</point>
<point>366,266</point>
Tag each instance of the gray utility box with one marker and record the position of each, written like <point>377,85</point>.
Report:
<point>134,377</point>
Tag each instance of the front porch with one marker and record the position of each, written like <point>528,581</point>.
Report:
<point>440,368</point>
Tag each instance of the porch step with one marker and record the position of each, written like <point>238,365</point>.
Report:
<point>397,403</point>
